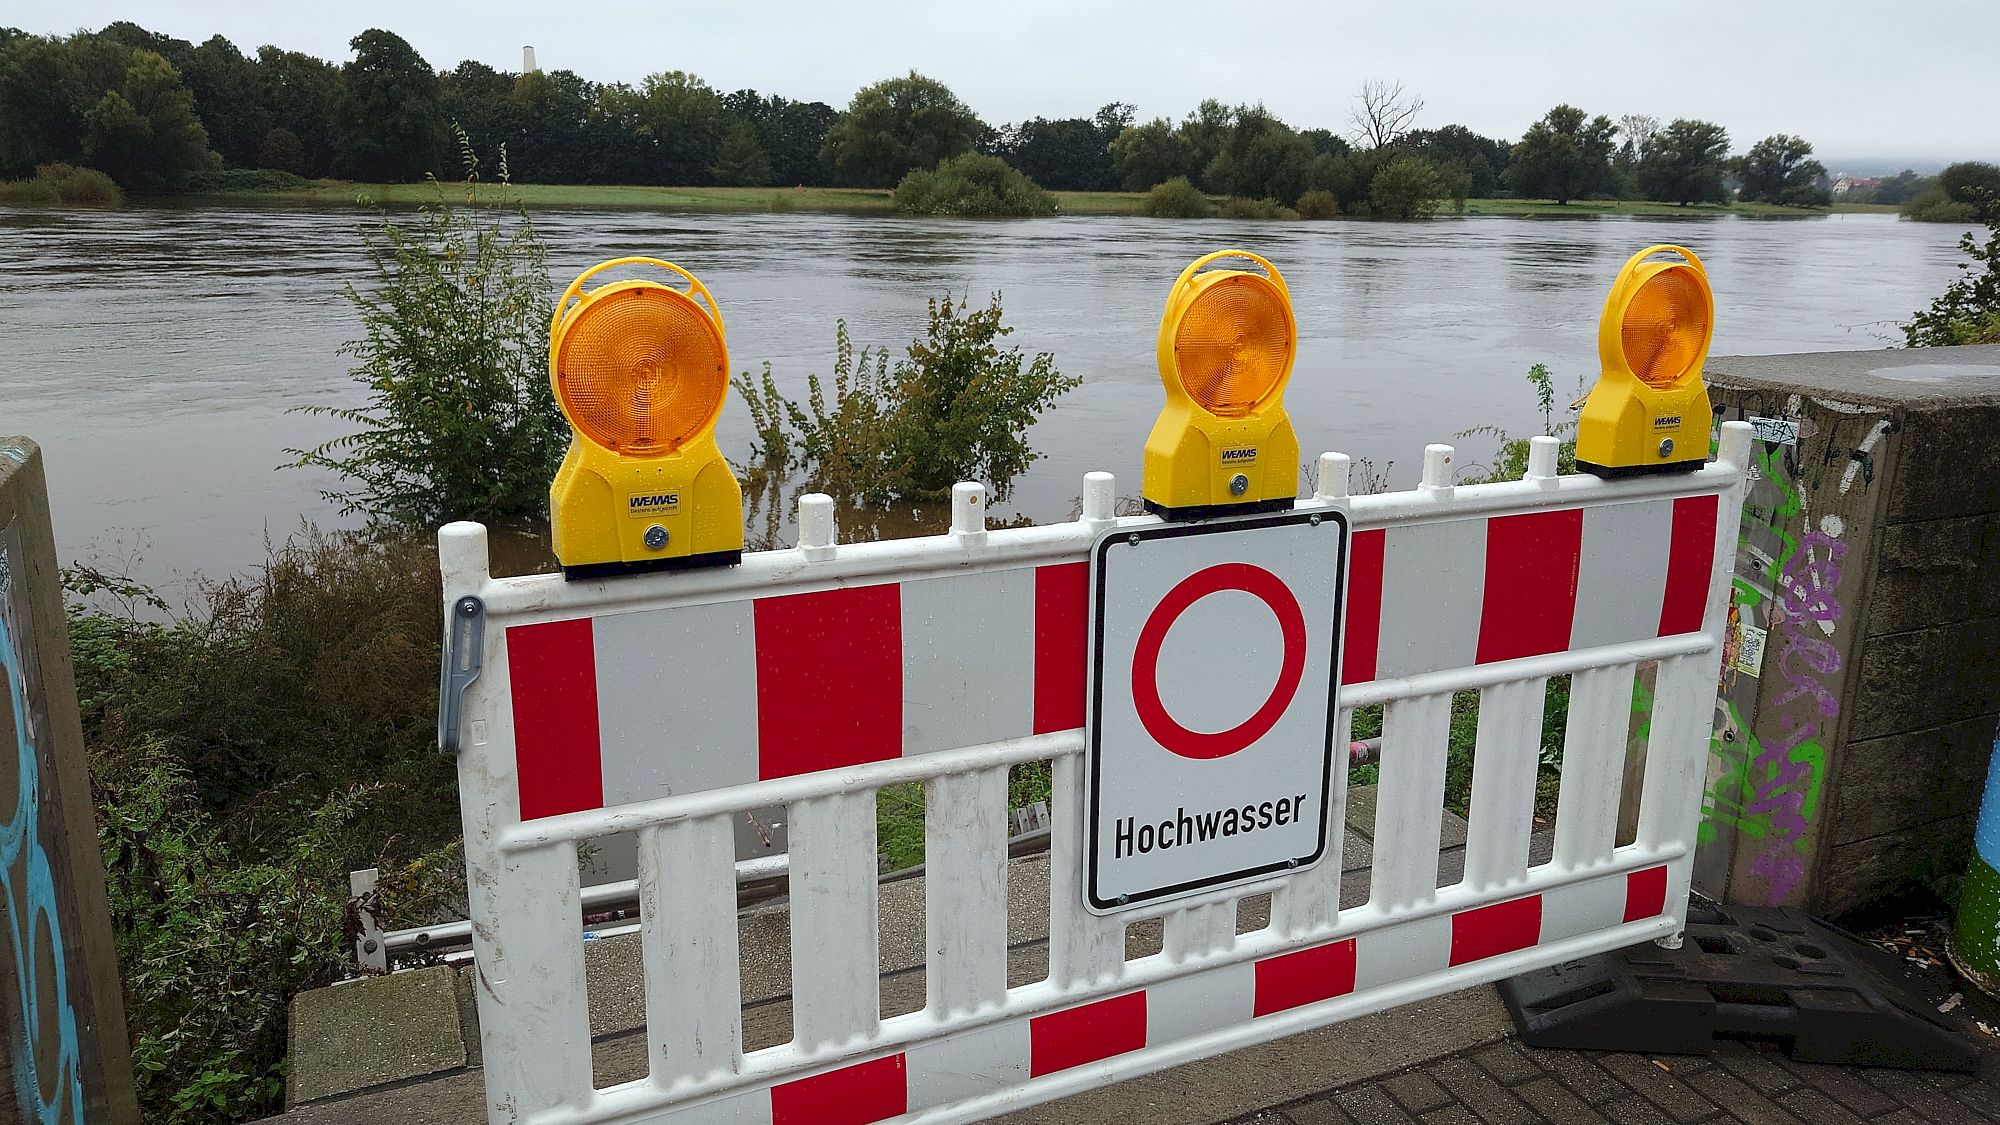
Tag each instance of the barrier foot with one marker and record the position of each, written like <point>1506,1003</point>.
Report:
<point>1774,974</point>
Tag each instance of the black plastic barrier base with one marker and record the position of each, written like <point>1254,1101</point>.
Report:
<point>1741,973</point>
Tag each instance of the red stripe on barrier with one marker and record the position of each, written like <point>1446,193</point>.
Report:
<point>1530,599</point>
<point>1690,558</point>
<point>1489,931</point>
<point>552,673</point>
<point>1645,894</point>
<point>1085,1034</point>
<point>1062,639</point>
<point>829,679</point>
<point>1364,606</point>
<point>1293,980</point>
<point>853,1095</point>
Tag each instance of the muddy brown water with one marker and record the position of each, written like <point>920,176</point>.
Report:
<point>155,352</point>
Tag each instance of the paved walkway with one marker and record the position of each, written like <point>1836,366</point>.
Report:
<point>1507,1084</point>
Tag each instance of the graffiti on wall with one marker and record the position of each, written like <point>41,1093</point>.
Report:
<point>1770,761</point>
<point>46,1056</point>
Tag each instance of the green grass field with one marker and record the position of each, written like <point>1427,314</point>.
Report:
<point>880,201</point>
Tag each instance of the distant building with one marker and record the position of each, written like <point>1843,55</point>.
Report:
<point>528,61</point>
<point>1845,184</point>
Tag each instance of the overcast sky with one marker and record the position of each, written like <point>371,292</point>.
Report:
<point>1911,81</point>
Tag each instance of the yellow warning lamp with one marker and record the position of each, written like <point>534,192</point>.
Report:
<point>1223,444</point>
<point>641,371</point>
<point>1649,411</point>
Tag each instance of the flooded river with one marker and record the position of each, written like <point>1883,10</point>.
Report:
<point>156,353</point>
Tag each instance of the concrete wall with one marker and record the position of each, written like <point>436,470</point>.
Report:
<point>1862,690</point>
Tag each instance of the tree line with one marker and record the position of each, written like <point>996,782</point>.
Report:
<point>160,113</point>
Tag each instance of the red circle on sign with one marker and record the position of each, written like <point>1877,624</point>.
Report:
<point>1258,583</point>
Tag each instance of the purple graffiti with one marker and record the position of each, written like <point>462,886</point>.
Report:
<point>1790,764</point>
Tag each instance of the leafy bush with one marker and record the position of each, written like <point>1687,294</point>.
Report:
<point>1317,204</point>
<point>260,180</point>
<point>972,184</point>
<point>63,185</point>
<point>1235,208</point>
<point>1932,205</point>
<point>957,408</point>
<point>460,422</point>
<point>1968,311</point>
<point>1176,199</point>
<point>245,755</point>
<point>1407,187</point>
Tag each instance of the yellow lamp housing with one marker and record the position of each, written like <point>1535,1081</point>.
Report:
<point>641,371</point>
<point>1649,411</point>
<point>1224,445</point>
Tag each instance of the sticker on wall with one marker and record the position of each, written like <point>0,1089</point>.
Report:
<point>1784,431</point>
<point>1749,649</point>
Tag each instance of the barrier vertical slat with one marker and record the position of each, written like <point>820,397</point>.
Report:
<point>1311,899</point>
<point>533,964</point>
<point>1505,760</point>
<point>835,960</point>
<point>1199,931</point>
<point>1083,947</point>
<point>1593,770</point>
<point>1409,803</point>
<point>965,854</point>
<point>687,910</point>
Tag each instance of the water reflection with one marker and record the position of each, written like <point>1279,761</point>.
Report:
<point>154,351</point>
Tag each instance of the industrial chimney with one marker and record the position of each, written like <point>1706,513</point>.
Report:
<point>528,61</point>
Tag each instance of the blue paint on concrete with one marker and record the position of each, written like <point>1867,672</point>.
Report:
<point>1986,837</point>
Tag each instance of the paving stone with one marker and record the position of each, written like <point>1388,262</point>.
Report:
<point>1508,1064</point>
<point>1979,1096</point>
<point>1476,1088</point>
<point>1368,1105</point>
<point>1739,1100</point>
<point>1451,1115</point>
<point>1556,1104</point>
<point>1635,1110</point>
<point>1756,1068</point>
<point>1579,1071</point>
<point>1813,1106</point>
<point>1675,1097</point>
<point>1418,1093</point>
<point>1847,1086</point>
<point>1911,1091</point>
<point>1318,1111</point>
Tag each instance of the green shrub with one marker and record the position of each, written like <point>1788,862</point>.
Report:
<point>460,423</point>
<point>63,185</point>
<point>260,181</point>
<point>1176,199</point>
<point>1510,460</point>
<point>1968,311</point>
<point>244,756</point>
<point>957,408</point>
<point>1317,204</point>
<point>1235,208</point>
<point>972,184</point>
<point>1407,187</point>
<point>1932,205</point>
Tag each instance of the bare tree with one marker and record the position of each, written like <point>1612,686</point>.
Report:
<point>1383,112</point>
<point>1638,128</point>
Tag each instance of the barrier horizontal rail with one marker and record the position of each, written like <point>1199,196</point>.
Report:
<point>814,676</point>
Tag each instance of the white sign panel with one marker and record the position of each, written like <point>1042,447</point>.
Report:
<point>1214,659</point>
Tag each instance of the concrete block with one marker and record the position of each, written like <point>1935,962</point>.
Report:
<point>374,1031</point>
<point>1936,572</point>
<point>1916,680</point>
<point>1905,780</point>
<point>1870,870</point>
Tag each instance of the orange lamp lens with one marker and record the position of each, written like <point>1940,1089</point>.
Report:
<point>1665,327</point>
<point>641,371</point>
<point>1234,345</point>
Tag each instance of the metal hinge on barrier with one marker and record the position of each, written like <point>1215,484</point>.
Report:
<point>464,643</point>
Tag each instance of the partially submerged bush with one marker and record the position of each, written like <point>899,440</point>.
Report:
<point>1968,311</point>
<point>1235,208</point>
<point>957,408</point>
<point>247,180</point>
<point>460,423</point>
<point>1317,204</point>
<point>64,185</point>
<point>1177,198</point>
<point>973,185</point>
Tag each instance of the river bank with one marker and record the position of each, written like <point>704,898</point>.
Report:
<point>864,201</point>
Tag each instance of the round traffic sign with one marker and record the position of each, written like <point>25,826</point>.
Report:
<point>1258,583</point>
